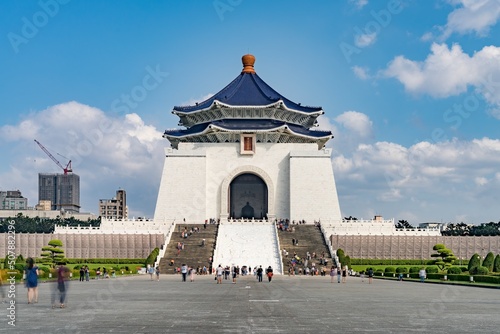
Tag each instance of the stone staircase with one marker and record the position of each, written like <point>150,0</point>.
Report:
<point>310,240</point>
<point>193,254</point>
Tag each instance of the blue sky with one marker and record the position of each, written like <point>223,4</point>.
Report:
<point>411,90</point>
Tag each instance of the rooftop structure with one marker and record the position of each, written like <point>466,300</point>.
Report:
<point>248,105</point>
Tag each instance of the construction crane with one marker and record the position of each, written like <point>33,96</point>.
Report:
<point>66,169</point>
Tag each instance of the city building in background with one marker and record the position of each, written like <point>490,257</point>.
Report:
<point>12,200</point>
<point>62,190</point>
<point>115,208</point>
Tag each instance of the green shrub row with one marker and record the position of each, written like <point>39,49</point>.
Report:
<point>385,262</point>
<point>399,262</point>
<point>105,261</point>
<point>450,277</point>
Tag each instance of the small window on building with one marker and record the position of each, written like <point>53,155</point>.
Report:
<point>247,143</point>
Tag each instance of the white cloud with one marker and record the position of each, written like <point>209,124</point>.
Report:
<point>359,3</point>
<point>364,40</point>
<point>428,36</point>
<point>427,179</point>
<point>472,16</point>
<point>107,152</point>
<point>361,72</point>
<point>450,71</point>
<point>356,122</point>
<point>480,181</point>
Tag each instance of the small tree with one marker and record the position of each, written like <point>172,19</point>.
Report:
<point>474,262</point>
<point>496,264</point>
<point>488,261</point>
<point>152,257</point>
<point>445,256</point>
<point>52,253</point>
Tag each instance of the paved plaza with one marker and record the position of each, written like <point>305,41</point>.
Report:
<point>286,305</point>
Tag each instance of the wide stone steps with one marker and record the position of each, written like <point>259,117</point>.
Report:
<point>310,240</point>
<point>193,254</point>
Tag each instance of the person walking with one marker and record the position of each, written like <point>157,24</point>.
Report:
<point>184,271</point>
<point>234,273</point>
<point>370,275</point>
<point>31,273</point>
<point>269,273</point>
<point>87,273</point>
<point>333,273</point>
<point>61,287</point>
<point>151,271</point>
<point>219,271</point>
<point>344,274</point>
<point>192,271</point>
<point>259,273</point>
<point>339,273</point>
<point>82,273</point>
<point>157,270</point>
<point>422,275</point>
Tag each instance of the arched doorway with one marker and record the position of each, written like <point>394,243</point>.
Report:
<point>248,197</point>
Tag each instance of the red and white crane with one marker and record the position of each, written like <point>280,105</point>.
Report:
<point>66,169</point>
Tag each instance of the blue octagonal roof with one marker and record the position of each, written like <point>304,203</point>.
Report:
<point>248,89</point>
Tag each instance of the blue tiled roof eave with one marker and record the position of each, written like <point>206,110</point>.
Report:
<point>209,127</point>
<point>217,103</point>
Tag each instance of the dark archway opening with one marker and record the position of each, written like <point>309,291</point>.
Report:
<point>248,197</point>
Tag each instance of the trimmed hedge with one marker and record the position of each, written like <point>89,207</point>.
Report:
<point>432,270</point>
<point>454,270</point>
<point>390,269</point>
<point>482,271</point>
<point>105,261</point>
<point>385,262</point>
<point>414,270</point>
<point>401,270</point>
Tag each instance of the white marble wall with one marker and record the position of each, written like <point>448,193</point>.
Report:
<point>195,178</point>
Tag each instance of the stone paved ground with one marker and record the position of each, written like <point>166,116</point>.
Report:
<point>286,305</point>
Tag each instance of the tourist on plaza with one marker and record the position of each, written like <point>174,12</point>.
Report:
<point>234,273</point>
<point>259,273</point>
<point>97,272</point>
<point>219,273</point>
<point>339,273</point>
<point>333,273</point>
<point>344,274</point>
<point>370,275</point>
<point>191,274</point>
<point>422,275</point>
<point>31,273</point>
<point>269,273</point>
<point>87,273</point>
<point>61,287</point>
<point>151,271</point>
<point>82,273</point>
<point>184,271</point>
<point>157,271</point>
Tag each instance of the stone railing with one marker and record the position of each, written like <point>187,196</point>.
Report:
<point>281,269</point>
